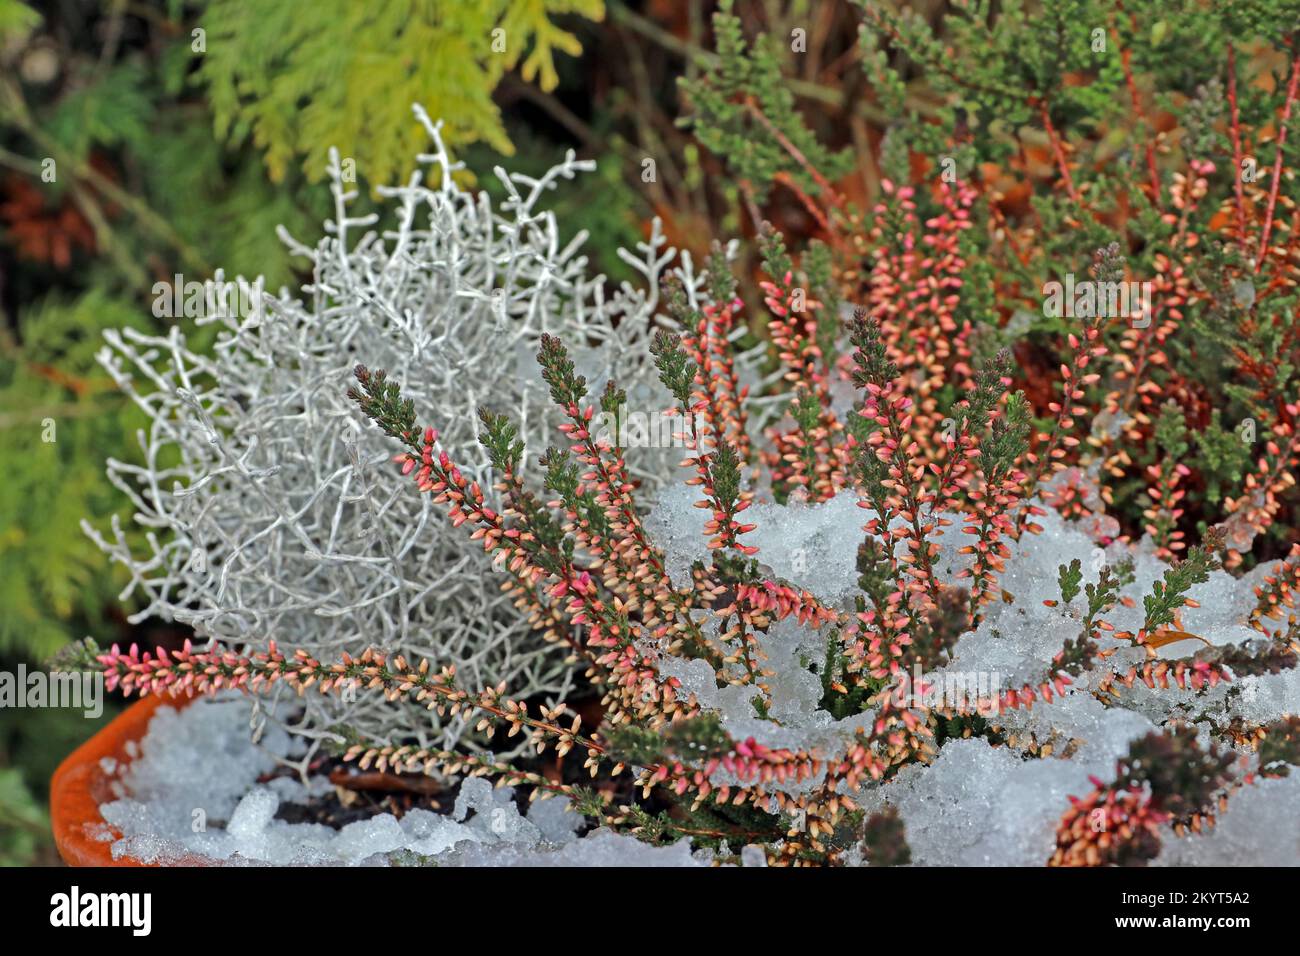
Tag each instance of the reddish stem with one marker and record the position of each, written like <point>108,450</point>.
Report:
<point>1126,58</point>
<point>1058,151</point>
<point>1277,160</point>
<point>795,153</point>
<point>1153,175</point>
<point>807,201</point>
<point>1235,129</point>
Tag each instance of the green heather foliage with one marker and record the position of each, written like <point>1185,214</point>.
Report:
<point>742,108</point>
<point>1012,78</point>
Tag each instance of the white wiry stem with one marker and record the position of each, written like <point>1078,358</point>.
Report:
<point>271,510</point>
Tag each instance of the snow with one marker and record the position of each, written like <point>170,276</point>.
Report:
<point>1269,697</point>
<point>1260,827</point>
<point>197,768</point>
<point>812,545</point>
<point>979,805</point>
<point>753,856</point>
<point>253,814</point>
<point>975,804</point>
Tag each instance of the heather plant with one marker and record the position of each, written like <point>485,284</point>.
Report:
<point>995,198</point>
<point>1178,166</point>
<point>815,705</point>
<point>984,570</point>
<point>264,514</point>
<point>743,109</point>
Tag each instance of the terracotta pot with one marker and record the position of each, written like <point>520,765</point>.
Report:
<point>80,785</point>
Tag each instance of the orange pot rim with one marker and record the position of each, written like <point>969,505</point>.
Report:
<point>80,785</point>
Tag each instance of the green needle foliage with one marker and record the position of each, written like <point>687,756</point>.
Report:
<point>1169,594</point>
<point>742,108</point>
<point>135,164</point>
<point>58,411</point>
<point>346,74</point>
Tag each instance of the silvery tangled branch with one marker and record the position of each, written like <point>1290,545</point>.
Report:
<point>270,512</point>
